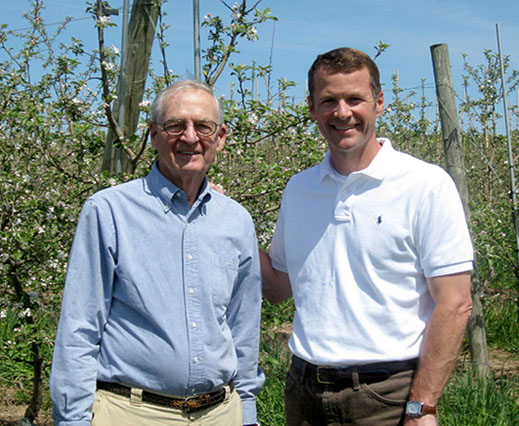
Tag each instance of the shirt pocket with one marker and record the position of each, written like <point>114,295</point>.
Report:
<point>225,271</point>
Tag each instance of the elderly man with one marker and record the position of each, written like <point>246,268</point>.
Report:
<point>161,309</point>
<point>374,246</point>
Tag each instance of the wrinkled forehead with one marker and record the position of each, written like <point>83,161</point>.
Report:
<point>190,104</point>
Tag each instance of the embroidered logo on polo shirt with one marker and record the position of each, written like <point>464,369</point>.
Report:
<point>379,220</point>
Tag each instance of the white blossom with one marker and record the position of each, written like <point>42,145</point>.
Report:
<point>108,65</point>
<point>103,20</point>
<point>25,313</point>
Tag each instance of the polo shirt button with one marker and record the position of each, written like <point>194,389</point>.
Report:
<point>195,360</point>
<point>189,257</point>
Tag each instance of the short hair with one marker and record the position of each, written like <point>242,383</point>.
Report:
<point>158,104</point>
<point>345,60</point>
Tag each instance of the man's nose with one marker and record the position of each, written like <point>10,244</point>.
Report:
<point>343,110</point>
<point>190,135</point>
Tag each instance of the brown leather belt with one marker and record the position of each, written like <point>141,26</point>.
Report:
<point>189,403</point>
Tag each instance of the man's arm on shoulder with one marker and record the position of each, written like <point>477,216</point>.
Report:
<point>443,337</point>
<point>276,284</point>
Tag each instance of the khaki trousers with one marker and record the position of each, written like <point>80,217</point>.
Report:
<point>110,409</point>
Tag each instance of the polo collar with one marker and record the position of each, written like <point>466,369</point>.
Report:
<point>166,190</point>
<point>377,169</point>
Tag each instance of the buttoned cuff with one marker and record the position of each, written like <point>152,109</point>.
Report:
<point>249,412</point>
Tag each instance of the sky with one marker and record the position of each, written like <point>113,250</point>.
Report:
<point>306,28</point>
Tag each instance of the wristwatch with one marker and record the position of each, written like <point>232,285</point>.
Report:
<point>416,409</point>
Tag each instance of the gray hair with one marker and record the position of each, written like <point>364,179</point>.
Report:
<point>158,104</point>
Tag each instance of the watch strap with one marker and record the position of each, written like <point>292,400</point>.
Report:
<point>428,409</point>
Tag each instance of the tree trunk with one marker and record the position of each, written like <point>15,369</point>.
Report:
<point>454,162</point>
<point>141,33</point>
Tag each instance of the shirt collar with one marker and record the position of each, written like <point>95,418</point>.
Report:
<point>377,169</point>
<point>166,190</point>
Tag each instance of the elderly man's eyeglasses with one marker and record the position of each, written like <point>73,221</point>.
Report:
<point>177,127</point>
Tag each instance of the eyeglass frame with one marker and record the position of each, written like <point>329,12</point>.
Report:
<point>194,123</point>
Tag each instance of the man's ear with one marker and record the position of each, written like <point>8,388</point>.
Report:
<point>222,135</point>
<point>311,106</point>
<point>154,128</point>
<point>379,105</point>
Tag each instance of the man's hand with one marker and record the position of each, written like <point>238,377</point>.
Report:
<point>219,189</point>
<point>428,420</point>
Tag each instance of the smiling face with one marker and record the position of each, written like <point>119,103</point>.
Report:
<point>185,159</point>
<point>346,111</point>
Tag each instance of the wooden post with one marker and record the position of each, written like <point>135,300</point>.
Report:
<point>454,162</point>
<point>141,33</point>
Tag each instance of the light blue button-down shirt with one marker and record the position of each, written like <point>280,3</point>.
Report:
<point>160,296</point>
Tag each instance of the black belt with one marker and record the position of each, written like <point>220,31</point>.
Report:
<point>367,373</point>
<point>189,403</point>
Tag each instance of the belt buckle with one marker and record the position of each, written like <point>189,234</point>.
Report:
<point>191,403</point>
<point>196,402</point>
<point>319,380</point>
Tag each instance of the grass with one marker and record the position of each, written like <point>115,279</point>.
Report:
<point>470,401</point>
<point>502,321</point>
<point>275,361</point>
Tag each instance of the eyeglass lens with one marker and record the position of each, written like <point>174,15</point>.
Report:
<point>203,127</point>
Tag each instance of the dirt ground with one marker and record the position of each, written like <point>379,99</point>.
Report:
<point>11,413</point>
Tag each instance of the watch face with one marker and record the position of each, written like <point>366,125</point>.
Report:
<point>413,408</point>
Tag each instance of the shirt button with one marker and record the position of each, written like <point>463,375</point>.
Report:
<point>189,257</point>
<point>195,360</point>
<point>191,290</point>
<point>193,324</point>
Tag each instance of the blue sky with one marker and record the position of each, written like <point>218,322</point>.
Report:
<point>306,28</point>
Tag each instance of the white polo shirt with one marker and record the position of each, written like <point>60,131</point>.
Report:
<point>357,249</point>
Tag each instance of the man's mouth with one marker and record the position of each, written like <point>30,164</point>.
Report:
<point>187,152</point>
<point>344,128</point>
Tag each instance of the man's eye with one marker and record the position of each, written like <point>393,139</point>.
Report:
<point>203,127</point>
<point>174,127</point>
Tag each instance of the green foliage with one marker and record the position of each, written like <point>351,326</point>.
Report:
<point>468,401</point>
<point>501,319</point>
<point>274,362</point>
